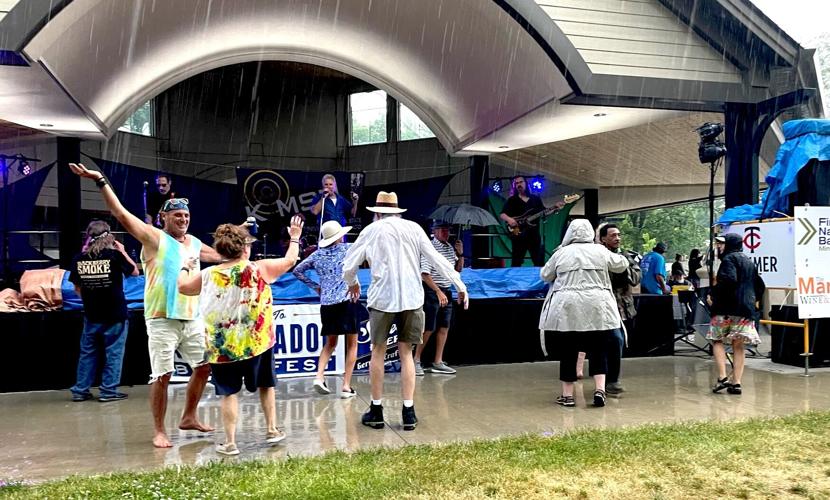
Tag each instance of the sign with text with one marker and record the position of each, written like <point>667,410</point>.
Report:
<point>297,349</point>
<point>770,246</point>
<point>812,254</point>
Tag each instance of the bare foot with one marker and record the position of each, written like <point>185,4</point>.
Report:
<point>194,425</point>
<point>160,440</point>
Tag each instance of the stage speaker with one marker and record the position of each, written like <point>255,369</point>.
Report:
<point>788,342</point>
<point>813,185</point>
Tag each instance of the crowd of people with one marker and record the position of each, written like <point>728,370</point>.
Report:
<point>220,319</point>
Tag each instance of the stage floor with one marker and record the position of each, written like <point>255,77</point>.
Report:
<point>46,436</point>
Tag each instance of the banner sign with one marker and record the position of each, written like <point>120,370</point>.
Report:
<point>273,196</point>
<point>299,341</point>
<point>392,361</point>
<point>812,253</point>
<point>770,246</point>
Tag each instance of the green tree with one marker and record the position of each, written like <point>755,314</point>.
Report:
<point>682,228</point>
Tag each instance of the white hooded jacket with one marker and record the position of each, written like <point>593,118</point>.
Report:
<point>580,296</point>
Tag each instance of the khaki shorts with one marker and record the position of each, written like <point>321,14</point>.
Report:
<point>410,325</point>
<point>166,336</point>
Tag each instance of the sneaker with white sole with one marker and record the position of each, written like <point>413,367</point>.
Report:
<point>419,370</point>
<point>227,449</point>
<point>348,394</point>
<point>321,387</point>
<point>442,368</point>
<point>274,437</point>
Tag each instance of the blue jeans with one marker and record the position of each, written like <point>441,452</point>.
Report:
<point>113,336</point>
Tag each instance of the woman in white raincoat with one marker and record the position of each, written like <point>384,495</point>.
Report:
<point>580,306</point>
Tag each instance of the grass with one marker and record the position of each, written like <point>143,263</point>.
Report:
<point>787,457</point>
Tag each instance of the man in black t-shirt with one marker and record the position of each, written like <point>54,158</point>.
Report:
<point>97,274</point>
<point>156,198</point>
<point>522,203</point>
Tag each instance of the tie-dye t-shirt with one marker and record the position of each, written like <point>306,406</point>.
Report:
<point>236,307</point>
<point>161,294</point>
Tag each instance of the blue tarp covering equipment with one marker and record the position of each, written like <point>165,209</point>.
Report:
<point>515,282</point>
<point>805,140</point>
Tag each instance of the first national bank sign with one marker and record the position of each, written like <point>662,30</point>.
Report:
<point>812,253</point>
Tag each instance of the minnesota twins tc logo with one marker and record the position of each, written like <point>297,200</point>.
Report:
<point>752,238</point>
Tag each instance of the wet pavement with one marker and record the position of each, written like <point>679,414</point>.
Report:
<point>46,436</point>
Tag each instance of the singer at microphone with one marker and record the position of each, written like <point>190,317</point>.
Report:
<point>329,205</point>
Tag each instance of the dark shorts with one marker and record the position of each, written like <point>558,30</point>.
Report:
<point>435,316</point>
<point>256,372</point>
<point>342,318</point>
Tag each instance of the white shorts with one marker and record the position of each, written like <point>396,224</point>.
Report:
<point>165,336</point>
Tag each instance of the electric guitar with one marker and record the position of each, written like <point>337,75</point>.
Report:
<point>528,219</point>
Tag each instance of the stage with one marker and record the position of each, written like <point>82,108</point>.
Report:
<point>501,326</point>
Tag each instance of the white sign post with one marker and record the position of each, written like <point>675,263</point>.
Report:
<point>812,254</point>
<point>770,246</point>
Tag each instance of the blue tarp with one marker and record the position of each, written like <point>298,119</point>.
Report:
<point>805,140</point>
<point>516,282</point>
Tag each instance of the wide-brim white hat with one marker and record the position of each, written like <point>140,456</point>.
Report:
<point>332,231</point>
<point>386,203</point>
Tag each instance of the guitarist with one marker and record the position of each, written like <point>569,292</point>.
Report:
<point>522,203</point>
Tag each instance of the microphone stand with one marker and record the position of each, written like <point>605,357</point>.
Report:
<point>145,201</point>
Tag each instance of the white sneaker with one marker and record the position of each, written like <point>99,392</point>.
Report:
<point>348,394</point>
<point>419,370</point>
<point>274,437</point>
<point>442,368</point>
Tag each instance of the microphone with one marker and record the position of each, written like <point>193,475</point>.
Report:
<point>146,183</point>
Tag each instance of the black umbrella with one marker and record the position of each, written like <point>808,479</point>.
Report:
<point>465,215</point>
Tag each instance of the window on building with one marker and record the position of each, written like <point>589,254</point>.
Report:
<point>367,117</point>
<point>410,126</point>
<point>140,122</point>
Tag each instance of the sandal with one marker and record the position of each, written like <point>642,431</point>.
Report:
<point>566,401</point>
<point>723,383</point>
<point>599,398</point>
<point>734,389</point>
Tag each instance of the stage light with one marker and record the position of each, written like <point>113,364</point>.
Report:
<point>24,168</point>
<point>710,149</point>
<point>496,186</point>
<point>537,184</point>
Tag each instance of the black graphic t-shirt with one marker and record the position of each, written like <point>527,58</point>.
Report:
<point>101,281</point>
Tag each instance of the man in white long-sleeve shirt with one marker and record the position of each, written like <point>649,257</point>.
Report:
<point>393,247</point>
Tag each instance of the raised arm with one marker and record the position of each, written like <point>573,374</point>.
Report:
<point>120,247</point>
<point>145,233</point>
<point>208,254</point>
<point>272,269</point>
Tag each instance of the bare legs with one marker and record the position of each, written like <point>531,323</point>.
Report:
<point>738,359</point>
<point>440,342</point>
<point>351,358</point>
<point>230,410</point>
<point>158,405</point>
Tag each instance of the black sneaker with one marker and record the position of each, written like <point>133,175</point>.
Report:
<point>373,417</point>
<point>599,398</point>
<point>614,388</point>
<point>409,418</point>
<point>734,389</point>
<point>80,398</point>
<point>118,396</point>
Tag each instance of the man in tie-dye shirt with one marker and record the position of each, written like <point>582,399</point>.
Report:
<point>172,319</point>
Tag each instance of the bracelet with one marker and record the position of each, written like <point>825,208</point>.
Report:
<point>101,182</point>
<point>185,269</point>
<point>295,241</point>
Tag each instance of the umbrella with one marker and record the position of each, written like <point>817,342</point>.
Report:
<point>465,215</point>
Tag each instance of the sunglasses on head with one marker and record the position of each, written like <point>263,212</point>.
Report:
<point>175,204</point>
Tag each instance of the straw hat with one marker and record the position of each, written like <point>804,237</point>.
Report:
<point>332,231</point>
<point>386,203</point>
